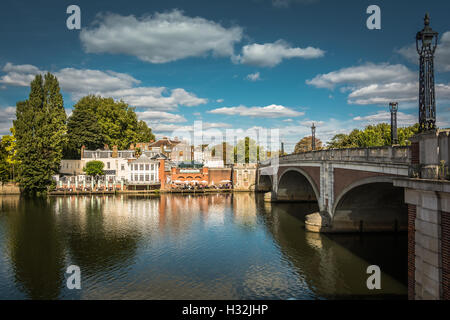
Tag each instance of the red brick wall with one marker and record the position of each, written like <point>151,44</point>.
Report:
<point>218,175</point>
<point>445,249</point>
<point>411,250</point>
<point>345,177</point>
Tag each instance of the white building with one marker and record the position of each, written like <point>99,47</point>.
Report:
<point>144,170</point>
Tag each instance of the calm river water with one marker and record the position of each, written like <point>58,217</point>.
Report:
<point>224,246</point>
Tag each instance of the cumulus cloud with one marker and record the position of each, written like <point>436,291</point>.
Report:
<point>253,76</point>
<point>7,115</point>
<point>364,74</point>
<point>384,93</point>
<point>81,82</point>
<point>271,111</point>
<point>159,38</point>
<point>160,116</point>
<point>377,84</point>
<point>384,116</point>
<point>170,127</point>
<point>19,75</point>
<point>272,54</point>
<point>442,55</point>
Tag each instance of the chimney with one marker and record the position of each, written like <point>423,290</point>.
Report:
<point>82,151</point>
<point>105,147</point>
<point>115,152</point>
<point>162,172</point>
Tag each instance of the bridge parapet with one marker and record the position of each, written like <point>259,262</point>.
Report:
<point>388,154</point>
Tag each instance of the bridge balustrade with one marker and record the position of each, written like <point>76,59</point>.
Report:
<point>398,154</point>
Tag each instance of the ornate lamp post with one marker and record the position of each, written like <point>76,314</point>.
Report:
<point>426,43</point>
<point>313,138</point>
<point>393,107</point>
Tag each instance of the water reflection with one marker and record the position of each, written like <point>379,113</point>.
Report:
<point>230,246</point>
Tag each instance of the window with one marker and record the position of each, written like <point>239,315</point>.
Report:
<point>147,166</point>
<point>152,178</point>
<point>141,167</point>
<point>122,167</point>
<point>131,177</point>
<point>136,168</point>
<point>153,167</point>
<point>136,177</point>
<point>108,165</point>
<point>141,177</point>
<point>146,177</point>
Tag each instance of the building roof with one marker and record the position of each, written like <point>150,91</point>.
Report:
<point>164,142</point>
<point>144,159</point>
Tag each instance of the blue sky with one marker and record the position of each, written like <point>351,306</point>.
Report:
<point>231,64</point>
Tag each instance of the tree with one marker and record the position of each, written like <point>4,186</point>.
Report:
<point>40,131</point>
<point>247,150</point>
<point>304,145</point>
<point>94,169</point>
<point>96,121</point>
<point>372,136</point>
<point>9,143</point>
<point>4,166</point>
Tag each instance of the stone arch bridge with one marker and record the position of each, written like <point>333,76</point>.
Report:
<point>353,188</point>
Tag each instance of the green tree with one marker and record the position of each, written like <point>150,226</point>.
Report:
<point>40,130</point>
<point>9,143</point>
<point>4,166</point>
<point>96,121</point>
<point>247,150</point>
<point>372,136</point>
<point>304,145</point>
<point>94,169</point>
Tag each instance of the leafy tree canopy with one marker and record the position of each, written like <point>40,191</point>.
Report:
<point>41,134</point>
<point>304,145</point>
<point>372,136</point>
<point>94,168</point>
<point>96,121</point>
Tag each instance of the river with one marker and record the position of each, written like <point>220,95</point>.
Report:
<point>221,246</point>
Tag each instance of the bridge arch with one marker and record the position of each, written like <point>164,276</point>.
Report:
<point>265,183</point>
<point>296,184</point>
<point>370,204</point>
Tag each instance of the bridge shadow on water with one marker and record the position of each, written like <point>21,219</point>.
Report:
<point>334,265</point>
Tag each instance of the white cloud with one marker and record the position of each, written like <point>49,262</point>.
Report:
<point>271,54</point>
<point>253,76</point>
<point>19,75</point>
<point>377,84</point>
<point>384,93</point>
<point>384,116</point>
<point>160,116</point>
<point>81,82</point>
<point>7,115</point>
<point>442,55</point>
<point>169,127</point>
<point>368,73</point>
<point>219,100</point>
<point>159,38</point>
<point>271,111</point>
<point>84,81</point>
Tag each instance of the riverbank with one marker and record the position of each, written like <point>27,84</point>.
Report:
<point>149,192</point>
<point>9,189</point>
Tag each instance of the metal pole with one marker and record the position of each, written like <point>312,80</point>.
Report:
<point>426,43</point>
